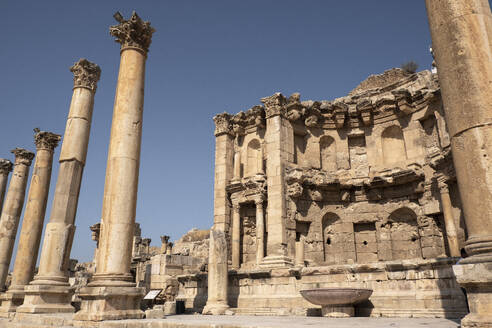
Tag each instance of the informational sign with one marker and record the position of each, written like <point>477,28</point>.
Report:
<point>152,294</point>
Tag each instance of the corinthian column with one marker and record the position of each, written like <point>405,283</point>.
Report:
<point>50,290</point>
<point>461,33</point>
<point>260,230</point>
<point>32,224</point>
<point>5,169</point>
<point>12,208</point>
<point>236,236</point>
<point>112,293</point>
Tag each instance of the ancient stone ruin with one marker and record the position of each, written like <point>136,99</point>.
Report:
<point>375,204</point>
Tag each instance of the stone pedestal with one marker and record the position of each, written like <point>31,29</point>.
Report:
<point>337,311</point>
<point>217,274</point>
<point>12,208</point>
<point>477,280</point>
<point>112,293</point>
<point>110,303</point>
<point>32,224</point>
<point>49,289</point>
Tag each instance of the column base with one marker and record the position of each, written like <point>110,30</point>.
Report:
<point>47,299</point>
<point>338,311</point>
<point>110,303</point>
<point>10,300</point>
<point>215,308</point>
<point>477,281</point>
<point>276,261</point>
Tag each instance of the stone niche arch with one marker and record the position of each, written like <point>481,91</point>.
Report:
<point>253,158</point>
<point>338,239</point>
<point>404,231</point>
<point>393,143</point>
<point>328,153</point>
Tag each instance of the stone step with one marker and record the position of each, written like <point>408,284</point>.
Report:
<point>254,311</point>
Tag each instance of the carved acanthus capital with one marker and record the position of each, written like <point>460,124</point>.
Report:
<point>146,241</point>
<point>5,166</point>
<point>22,156</point>
<point>294,190</point>
<point>274,105</point>
<point>222,124</point>
<point>164,239</point>
<point>132,33</point>
<point>259,199</point>
<point>46,140</point>
<point>85,74</point>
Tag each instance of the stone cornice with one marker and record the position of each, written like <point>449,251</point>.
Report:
<point>85,74</point>
<point>46,140</point>
<point>22,156</point>
<point>370,107</point>
<point>5,166</point>
<point>132,33</point>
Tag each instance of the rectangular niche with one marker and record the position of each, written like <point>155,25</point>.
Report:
<point>358,155</point>
<point>366,246</point>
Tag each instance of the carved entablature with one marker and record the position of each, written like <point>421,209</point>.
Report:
<point>132,33</point>
<point>46,140</point>
<point>253,117</point>
<point>442,163</point>
<point>365,109</point>
<point>85,74</point>
<point>96,230</point>
<point>22,156</point>
<point>222,124</point>
<point>5,166</point>
<point>397,176</point>
<point>248,190</point>
<point>274,105</point>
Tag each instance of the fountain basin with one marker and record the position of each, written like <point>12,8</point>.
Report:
<point>336,302</point>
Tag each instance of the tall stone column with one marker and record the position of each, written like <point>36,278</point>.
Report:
<point>224,168</point>
<point>461,33</point>
<point>236,235</point>
<point>50,290</point>
<point>299,261</point>
<point>112,293</point>
<point>260,230</point>
<point>237,166</point>
<point>32,224</point>
<point>277,150</point>
<point>450,225</point>
<point>217,274</point>
<point>164,241</point>
<point>12,208</point>
<point>5,169</point>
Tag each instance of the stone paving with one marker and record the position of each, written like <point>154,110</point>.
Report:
<point>200,321</point>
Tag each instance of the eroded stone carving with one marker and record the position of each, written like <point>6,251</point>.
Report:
<point>85,74</point>
<point>46,140</point>
<point>132,33</point>
<point>22,156</point>
<point>5,166</point>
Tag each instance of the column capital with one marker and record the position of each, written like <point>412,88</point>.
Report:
<point>235,204</point>
<point>96,229</point>
<point>164,239</point>
<point>5,166</point>
<point>22,156</point>
<point>274,105</point>
<point>223,124</point>
<point>46,140</point>
<point>132,33</point>
<point>85,74</point>
<point>259,199</point>
<point>146,241</point>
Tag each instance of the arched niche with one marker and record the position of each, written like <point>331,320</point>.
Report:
<point>253,159</point>
<point>328,153</point>
<point>338,239</point>
<point>393,143</point>
<point>405,237</point>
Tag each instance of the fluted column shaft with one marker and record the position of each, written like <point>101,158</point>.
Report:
<point>14,201</point>
<point>450,225</point>
<point>5,169</point>
<point>260,231</point>
<point>236,236</point>
<point>32,224</point>
<point>120,190</point>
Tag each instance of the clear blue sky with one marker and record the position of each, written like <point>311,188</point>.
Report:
<point>206,57</point>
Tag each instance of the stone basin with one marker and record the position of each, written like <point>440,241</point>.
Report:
<point>336,302</point>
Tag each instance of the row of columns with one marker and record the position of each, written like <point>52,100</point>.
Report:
<point>236,232</point>
<point>112,293</point>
